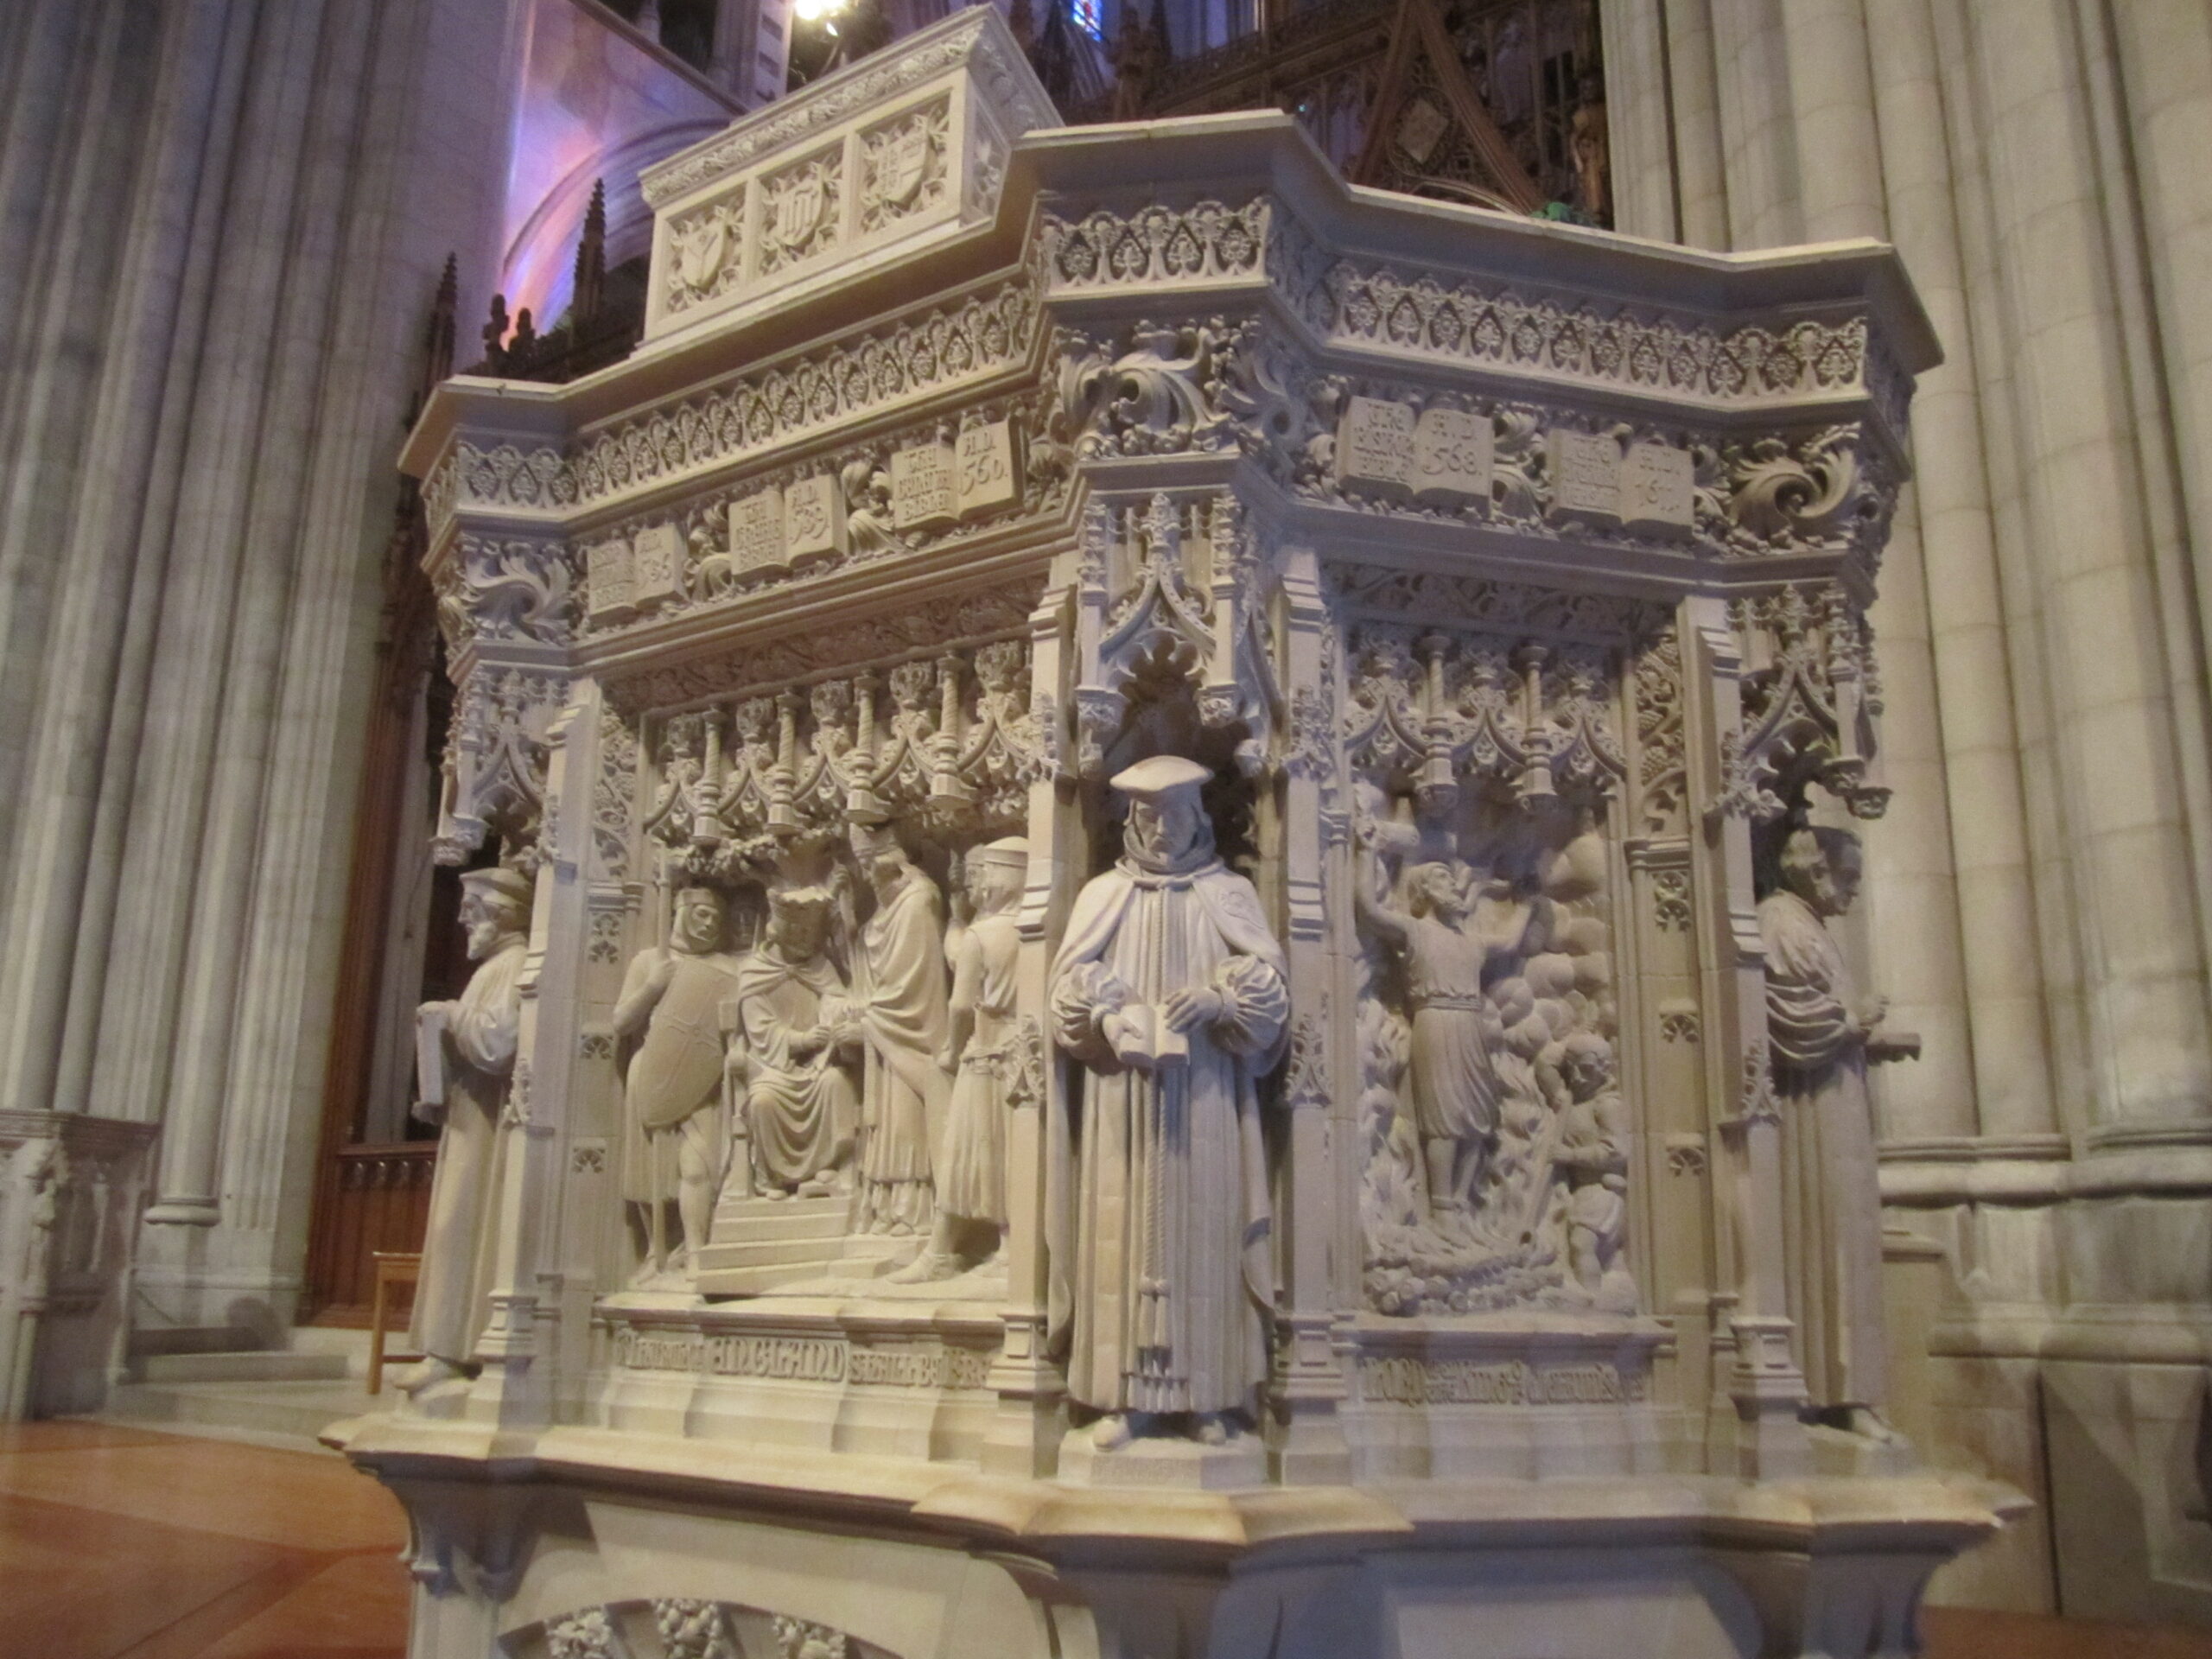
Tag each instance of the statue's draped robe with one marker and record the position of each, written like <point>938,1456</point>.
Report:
<point>1830,1197</point>
<point>972,1158</point>
<point>903,1011</point>
<point>800,1115</point>
<point>677,1074</point>
<point>1160,1249</point>
<point>454,1296</point>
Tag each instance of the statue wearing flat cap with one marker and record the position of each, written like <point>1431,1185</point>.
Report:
<point>467,1059</point>
<point>1172,992</point>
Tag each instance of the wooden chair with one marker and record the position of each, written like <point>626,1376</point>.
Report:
<point>393,1268</point>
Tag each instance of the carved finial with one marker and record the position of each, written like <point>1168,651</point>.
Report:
<point>591,258</point>
<point>437,342</point>
<point>525,335</point>
<point>495,334</point>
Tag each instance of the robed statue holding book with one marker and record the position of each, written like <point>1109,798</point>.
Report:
<point>1171,992</point>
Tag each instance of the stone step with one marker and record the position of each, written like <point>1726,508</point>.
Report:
<point>246,1365</point>
<point>268,1414</point>
<point>197,1339</point>
<point>769,1252</point>
<point>746,1220</point>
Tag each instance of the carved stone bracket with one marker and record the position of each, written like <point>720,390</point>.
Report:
<point>494,768</point>
<point>1811,695</point>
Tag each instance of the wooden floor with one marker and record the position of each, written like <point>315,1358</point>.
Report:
<point>124,1543</point>
<point>118,1542</point>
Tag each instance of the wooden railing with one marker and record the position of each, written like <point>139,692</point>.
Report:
<point>380,1201</point>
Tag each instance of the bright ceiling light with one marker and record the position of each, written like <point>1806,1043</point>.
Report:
<point>814,11</point>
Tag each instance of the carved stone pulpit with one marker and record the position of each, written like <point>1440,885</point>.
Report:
<point>1239,727</point>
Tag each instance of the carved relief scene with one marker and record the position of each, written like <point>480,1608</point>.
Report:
<point>818,1048</point>
<point>1487,772</point>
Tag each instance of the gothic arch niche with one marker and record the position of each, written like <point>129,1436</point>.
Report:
<point>1487,770</point>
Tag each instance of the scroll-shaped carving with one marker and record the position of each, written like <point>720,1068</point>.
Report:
<point>491,590</point>
<point>1165,389</point>
<point>1825,492</point>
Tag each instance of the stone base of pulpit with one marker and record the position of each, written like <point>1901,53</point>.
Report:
<point>629,1545</point>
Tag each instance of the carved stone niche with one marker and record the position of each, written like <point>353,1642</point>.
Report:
<point>1494,1136</point>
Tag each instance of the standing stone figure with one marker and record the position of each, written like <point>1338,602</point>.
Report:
<point>1171,992</point>
<point>1822,1033</point>
<point>1447,947</point>
<point>467,1050</point>
<point>791,1020</point>
<point>675,1142</point>
<point>980,1052</point>
<point>901,995</point>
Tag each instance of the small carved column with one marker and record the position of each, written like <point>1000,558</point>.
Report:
<point>594,1259</point>
<point>1023,1439</point>
<point>1766,1382</point>
<point>1685,1263</point>
<point>514,1388</point>
<point>1308,1383</point>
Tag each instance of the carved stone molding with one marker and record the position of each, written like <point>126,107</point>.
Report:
<point>960,620</point>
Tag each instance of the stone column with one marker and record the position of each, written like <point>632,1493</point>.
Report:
<point>1832,101</point>
<point>1765,1383</point>
<point>245,573</point>
<point>1701,181</point>
<point>2019,590</point>
<point>522,1332</point>
<point>2124,803</point>
<point>1757,136</point>
<point>1637,96</point>
<point>2165,68</point>
<point>62,889</point>
<point>1972,683</point>
<point>1024,1437</point>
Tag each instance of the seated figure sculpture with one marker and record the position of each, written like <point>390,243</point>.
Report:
<point>791,1022</point>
